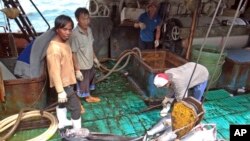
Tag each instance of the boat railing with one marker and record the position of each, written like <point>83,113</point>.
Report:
<point>4,28</point>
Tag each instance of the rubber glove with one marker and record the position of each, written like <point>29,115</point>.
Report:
<point>96,61</point>
<point>79,75</point>
<point>157,43</point>
<point>164,111</point>
<point>62,97</point>
<point>167,101</point>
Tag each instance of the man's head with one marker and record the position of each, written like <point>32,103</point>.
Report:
<point>63,27</point>
<point>161,79</point>
<point>82,17</point>
<point>152,3</point>
<point>152,7</point>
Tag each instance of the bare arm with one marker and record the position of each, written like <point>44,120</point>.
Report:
<point>96,61</point>
<point>94,55</point>
<point>75,61</point>
<point>158,32</point>
<point>139,25</point>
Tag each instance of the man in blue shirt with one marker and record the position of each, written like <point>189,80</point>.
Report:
<point>149,21</point>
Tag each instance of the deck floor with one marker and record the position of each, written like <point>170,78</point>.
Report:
<point>119,111</point>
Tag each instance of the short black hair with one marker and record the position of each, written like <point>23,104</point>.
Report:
<point>62,20</point>
<point>81,10</point>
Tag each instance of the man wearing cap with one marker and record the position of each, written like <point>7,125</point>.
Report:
<point>178,79</point>
<point>149,21</point>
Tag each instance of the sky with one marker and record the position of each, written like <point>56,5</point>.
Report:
<point>49,9</point>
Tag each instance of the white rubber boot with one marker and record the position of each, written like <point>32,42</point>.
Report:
<point>77,132</point>
<point>63,121</point>
<point>77,124</point>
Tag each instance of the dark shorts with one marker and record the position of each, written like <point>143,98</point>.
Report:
<point>88,79</point>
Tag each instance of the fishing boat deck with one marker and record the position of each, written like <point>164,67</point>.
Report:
<point>119,111</point>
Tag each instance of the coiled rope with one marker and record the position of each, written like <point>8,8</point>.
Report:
<point>14,121</point>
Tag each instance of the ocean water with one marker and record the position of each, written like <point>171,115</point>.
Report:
<point>50,9</point>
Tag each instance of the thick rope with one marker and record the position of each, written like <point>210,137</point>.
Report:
<point>203,44</point>
<point>135,51</point>
<point>14,121</point>
<point>224,45</point>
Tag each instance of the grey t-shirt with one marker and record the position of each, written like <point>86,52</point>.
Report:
<point>182,74</point>
<point>82,44</point>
